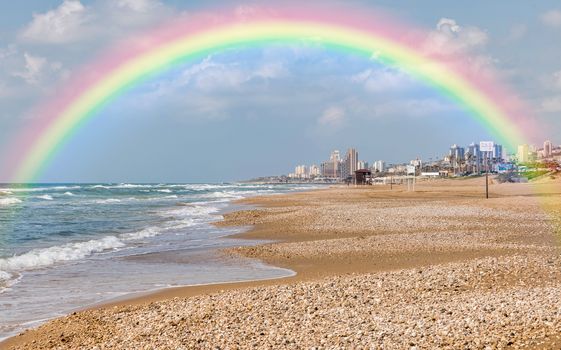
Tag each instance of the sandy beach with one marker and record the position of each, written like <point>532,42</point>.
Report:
<point>440,267</point>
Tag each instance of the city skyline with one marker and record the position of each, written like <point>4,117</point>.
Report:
<point>470,158</point>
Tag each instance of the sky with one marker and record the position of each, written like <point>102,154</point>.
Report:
<point>250,112</point>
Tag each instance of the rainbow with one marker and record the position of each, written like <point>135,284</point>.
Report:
<point>349,30</point>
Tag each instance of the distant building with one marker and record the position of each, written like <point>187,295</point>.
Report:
<point>497,153</point>
<point>335,156</point>
<point>474,158</point>
<point>417,163</point>
<point>362,165</point>
<point>547,149</point>
<point>457,152</point>
<point>314,170</point>
<point>301,172</point>
<point>332,167</point>
<point>456,155</point>
<point>350,163</point>
<point>523,153</point>
<point>379,166</point>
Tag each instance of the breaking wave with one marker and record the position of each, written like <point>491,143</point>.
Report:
<point>9,201</point>
<point>44,257</point>
<point>107,201</point>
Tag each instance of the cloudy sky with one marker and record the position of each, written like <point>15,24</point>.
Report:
<point>260,111</point>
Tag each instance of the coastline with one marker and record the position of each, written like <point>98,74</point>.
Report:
<point>309,250</point>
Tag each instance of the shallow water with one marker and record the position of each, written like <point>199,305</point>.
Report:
<point>67,246</point>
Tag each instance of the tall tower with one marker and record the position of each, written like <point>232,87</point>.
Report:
<point>498,152</point>
<point>351,162</point>
<point>335,156</point>
<point>522,153</point>
<point>547,146</point>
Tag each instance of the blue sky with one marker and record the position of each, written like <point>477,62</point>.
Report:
<point>250,112</point>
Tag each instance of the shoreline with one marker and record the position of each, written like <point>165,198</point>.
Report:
<point>189,290</point>
<point>266,225</point>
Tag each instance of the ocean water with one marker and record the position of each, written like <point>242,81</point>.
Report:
<point>66,246</point>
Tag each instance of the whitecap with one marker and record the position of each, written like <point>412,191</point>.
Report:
<point>107,201</point>
<point>69,193</point>
<point>66,187</point>
<point>165,190</point>
<point>5,276</point>
<point>144,233</point>
<point>132,186</point>
<point>100,186</point>
<point>45,197</point>
<point>9,201</point>
<point>44,257</point>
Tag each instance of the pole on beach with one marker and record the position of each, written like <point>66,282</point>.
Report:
<point>487,178</point>
<point>487,147</point>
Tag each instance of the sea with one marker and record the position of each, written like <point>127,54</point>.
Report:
<point>67,246</point>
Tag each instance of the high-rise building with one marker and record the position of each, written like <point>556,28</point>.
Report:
<point>335,156</point>
<point>350,162</point>
<point>379,166</point>
<point>332,167</point>
<point>523,153</point>
<point>457,155</point>
<point>361,164</point>
<point>301,171</point>
<point>547,149</point>
<point>457,152</point>
<point>498,153</point>
<point>314,170</point>
<point>474,158</point>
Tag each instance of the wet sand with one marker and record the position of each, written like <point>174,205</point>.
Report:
<point>439,267</point>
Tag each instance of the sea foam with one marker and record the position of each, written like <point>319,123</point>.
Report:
<point>44,257</point>
<point>9,201</point>
<point>4,276</point>
<point>46,197</point>
<point>107,201</point>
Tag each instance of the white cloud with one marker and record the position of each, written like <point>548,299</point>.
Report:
<point>61,25</point>
<point>450,38</point>
<point>551,104</point>
<point>209,76</point>
<point>99,22</point>
<point>552,18</point>
<point>138,5</point>
<point>34,66</point>
<point>380,80</point>
<point>220,77</point>
<point>271,70</point>
<point>332,117</point>
<point>8,51</point>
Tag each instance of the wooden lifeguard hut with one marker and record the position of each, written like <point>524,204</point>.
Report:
<point>363,176</point>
